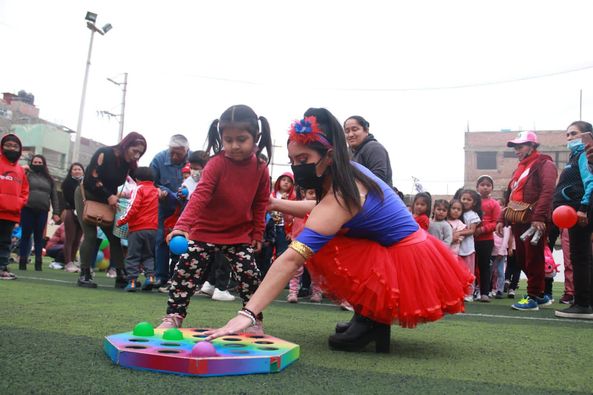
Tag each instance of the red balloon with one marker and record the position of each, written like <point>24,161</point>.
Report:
<point>564,217</point>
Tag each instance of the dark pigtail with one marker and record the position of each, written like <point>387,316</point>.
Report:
<point>214,139</point>
<point>265,139</point>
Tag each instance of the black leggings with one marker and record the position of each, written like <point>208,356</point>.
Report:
<point>483,253</point>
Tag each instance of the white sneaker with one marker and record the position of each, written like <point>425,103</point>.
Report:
<point>56,265</point>
<point>223,296</point>
<point>165,288</point>
<point>111,273</point>
<point>71,268</point>
<point>468,298</point>
<point>207,289</point>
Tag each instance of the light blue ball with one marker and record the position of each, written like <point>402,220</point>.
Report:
<point>178,245</point>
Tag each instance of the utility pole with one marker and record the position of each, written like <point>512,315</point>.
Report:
<point>581,105</point>
<point>121,115</point>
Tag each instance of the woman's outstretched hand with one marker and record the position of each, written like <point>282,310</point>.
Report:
<point>234,326</point>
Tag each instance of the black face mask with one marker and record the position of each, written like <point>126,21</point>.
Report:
<point>306,177</point>
<point>36,168</point>
<point>11,155</point>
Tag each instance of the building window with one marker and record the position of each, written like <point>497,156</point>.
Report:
<point>509,154</point>
<point>486,160</point>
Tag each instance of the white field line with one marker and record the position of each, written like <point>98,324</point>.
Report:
<point>512,317</point>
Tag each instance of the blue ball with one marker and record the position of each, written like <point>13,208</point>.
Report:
<point>178,245</point>
<point>184,191</point>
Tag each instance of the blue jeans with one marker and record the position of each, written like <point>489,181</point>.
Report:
<point>498,263</point>
<point>33,223</point>
<point>281,242</point>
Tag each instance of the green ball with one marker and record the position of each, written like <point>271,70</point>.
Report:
<point>104,244</point>
<point>173,334</point>
<point>143,329</point>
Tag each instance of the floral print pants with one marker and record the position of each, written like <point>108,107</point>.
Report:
<point>192,266</point>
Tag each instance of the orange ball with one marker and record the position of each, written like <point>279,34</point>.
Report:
<point>564,217</point>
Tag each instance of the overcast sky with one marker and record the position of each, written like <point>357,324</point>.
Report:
<point>419,71</point>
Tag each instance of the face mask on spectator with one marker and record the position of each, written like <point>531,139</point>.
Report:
<point>196,174</point>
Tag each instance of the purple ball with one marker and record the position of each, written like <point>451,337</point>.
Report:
<point>203,349</point>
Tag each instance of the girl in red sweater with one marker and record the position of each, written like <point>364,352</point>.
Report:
<point>421,208</point>
<point>484,239</point>
<point>219,218</point>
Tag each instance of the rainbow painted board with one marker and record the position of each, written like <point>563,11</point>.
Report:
<point>179,351</point>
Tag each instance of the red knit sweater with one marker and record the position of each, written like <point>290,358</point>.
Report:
<point>229,204</point>
<point>490,214</point>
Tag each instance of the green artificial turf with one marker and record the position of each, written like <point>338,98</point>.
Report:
<point>51,335</point>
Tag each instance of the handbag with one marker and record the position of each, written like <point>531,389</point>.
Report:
<point>517,212</point>
<point>96,213</point>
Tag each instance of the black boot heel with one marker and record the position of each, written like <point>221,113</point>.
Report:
<point>382,338</point>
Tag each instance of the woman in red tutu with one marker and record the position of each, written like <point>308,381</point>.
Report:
<point>360,244</point>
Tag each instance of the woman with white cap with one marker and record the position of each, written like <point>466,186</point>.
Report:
<point>530,193</point>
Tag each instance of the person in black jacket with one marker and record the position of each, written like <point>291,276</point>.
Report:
<point>366,150</point>
<point>73,231</point>
<point>108,169</point>
<point>42,193</point>
<point>575,189</point>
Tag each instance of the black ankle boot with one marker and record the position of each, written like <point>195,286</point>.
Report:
<point>342,327</point>
<point>86,279</point>
<point>361,332</point>
<point>121,278</point>
<point>37,266</point>
<point>22,265</point>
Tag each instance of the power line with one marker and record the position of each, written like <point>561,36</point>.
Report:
<point>411,89</point>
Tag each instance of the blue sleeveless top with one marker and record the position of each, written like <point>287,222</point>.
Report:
<point>385,221</point>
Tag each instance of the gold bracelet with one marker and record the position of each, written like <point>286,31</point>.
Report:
<point>302,249</point>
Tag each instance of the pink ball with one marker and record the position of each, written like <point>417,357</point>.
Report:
<point>203,349</point>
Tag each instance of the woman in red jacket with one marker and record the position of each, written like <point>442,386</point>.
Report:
<point>533,182</point>
<point>14,193</point>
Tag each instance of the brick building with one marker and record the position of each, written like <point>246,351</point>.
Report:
<point>487,153</point>
<point>19,115</point>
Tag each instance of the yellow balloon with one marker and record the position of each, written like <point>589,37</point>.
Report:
<point>103,265</point>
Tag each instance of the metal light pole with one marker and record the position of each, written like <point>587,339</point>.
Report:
<point>91,18</point>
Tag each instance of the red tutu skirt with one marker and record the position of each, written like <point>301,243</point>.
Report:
<point>413,281</point>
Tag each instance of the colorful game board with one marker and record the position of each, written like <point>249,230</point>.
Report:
<point>176,351</point>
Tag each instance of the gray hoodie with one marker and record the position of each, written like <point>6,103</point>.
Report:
<point>372,155</point>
